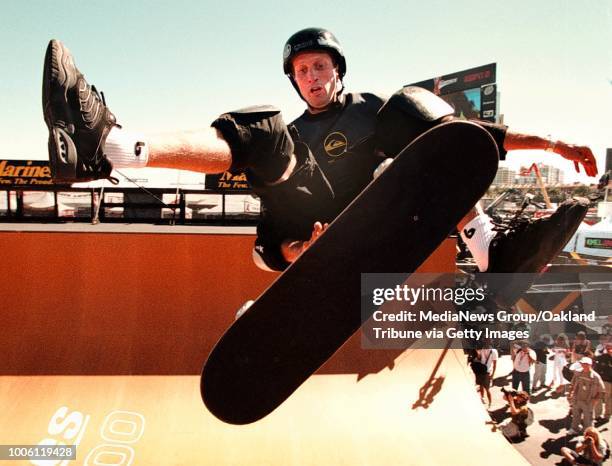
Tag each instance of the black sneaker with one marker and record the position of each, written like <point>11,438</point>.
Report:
<point>524,247</point>
<point>78,120</point>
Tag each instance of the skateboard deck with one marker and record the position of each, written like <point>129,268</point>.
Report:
<point>310,310</point>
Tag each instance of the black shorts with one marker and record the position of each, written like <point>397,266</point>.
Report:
<point>581,459</point>
<point>259,140</point>
<point>483,380</point>
<point>261,146</point>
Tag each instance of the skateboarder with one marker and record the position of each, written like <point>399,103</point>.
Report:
<point>305,174</point>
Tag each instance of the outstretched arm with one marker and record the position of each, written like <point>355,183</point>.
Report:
<point>580,155</point>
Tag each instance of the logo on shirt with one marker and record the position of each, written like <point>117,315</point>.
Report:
<point>335,144</point>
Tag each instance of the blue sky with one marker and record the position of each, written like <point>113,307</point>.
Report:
<point>176,65</point>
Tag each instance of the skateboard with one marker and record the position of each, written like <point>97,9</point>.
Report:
<point>311,309</point>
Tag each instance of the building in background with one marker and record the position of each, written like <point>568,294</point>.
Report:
<point>504,177</point>
<point>551,176</point>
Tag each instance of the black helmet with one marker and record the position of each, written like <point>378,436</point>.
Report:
<point>312,39</point>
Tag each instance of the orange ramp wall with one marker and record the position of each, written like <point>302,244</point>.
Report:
<point>137,303</point>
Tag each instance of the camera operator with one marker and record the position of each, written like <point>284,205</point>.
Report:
<point>523,358</point>
<point>520,415</point>
<point>592,450</point>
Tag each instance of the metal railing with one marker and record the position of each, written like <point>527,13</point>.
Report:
<point>128,205</point>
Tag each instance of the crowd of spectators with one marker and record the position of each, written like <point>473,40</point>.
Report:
<point>578,369</point>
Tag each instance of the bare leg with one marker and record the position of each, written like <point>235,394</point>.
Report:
<point>488,392</point>
<point>567,455</point>
<point>203,151</point>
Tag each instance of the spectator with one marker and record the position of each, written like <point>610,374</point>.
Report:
<point>586,389</point>
<point>522,357</point>
<point>541,349</point>
<point>580,346</point>
<point>520,415</point>
<point>604,339</point>
<point>487,356</point>
<point>603,366</point>
<point>591,450</point>
<point>560,350</point>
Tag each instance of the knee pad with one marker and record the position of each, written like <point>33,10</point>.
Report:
<point>407,114</point>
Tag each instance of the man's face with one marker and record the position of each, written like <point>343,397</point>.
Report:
<point>317,79</point>
<point>586,368</point>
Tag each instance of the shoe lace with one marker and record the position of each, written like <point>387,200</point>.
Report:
<point>92,105</point>
<point>96,100</point>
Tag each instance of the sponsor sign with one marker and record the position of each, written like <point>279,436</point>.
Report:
<point>488,102</point>
<point>18,173</point>
<point>119,434</point>
<point>460,80</point>
<point>472,93</point>
<point>598,243</point>
<point>227,180</point>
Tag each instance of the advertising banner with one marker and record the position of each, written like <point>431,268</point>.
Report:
<point>19,173</point>
<point>472,92</point>
<point>227,180</point>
